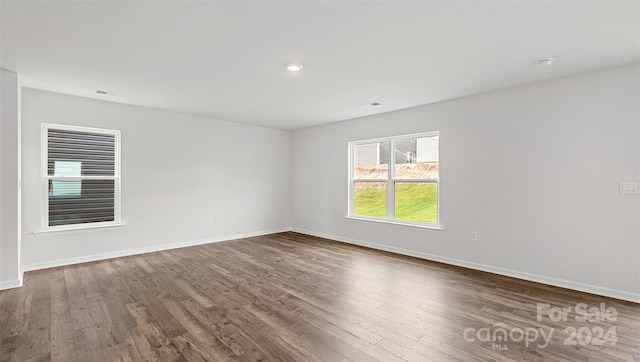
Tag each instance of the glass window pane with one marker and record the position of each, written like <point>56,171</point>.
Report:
<point>78,202</point>
<point>370,199</point>
<point>417,158</point>
<point>371,161</point>
<point>417,201</point>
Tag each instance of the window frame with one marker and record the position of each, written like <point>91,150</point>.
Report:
<point>391,181</point>
<point>45,178</point>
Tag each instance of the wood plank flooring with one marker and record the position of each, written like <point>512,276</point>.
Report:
<point>294,297</point>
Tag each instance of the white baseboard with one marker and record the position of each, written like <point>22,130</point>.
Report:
<point>150,249</point>
<point>10,284</point>
<point>593,289</point>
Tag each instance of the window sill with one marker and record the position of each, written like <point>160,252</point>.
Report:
<point>397,223</point>
<point>78,229</point>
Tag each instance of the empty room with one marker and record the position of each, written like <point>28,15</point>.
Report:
<point>319,181</point>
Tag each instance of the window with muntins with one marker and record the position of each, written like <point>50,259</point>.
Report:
<point>395,179</point>
<point>80,177</point>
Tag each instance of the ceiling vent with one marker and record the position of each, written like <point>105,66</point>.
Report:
<point>544,61</point>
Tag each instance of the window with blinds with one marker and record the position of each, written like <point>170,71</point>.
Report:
<point>80,176</point>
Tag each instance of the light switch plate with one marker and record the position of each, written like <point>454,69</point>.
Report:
<point>628,187</point>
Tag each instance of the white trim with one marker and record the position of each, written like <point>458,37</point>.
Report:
<point>391,186</point>
<point>562,283</point>
<point>150,249</point>
<point>386,138</point>
<point>69,229</point>
<point>396,223</point>
<point>66,127</point>
<point>10,284</point>
<point>370,180</point>
<point>44,184</point>
<point>80,178</point>
<point>19,261</point>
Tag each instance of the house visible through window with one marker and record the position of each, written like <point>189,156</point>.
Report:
<point>406,191</point>
<point>81,176</point>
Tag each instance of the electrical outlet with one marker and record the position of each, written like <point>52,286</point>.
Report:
<point>216,218</point>
<point>231,217</point>
<point>474,236</point>
<point>628,187</point>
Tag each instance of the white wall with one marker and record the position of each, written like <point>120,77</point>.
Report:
<point>178,171</point>
<point>10,274</point>
<point>533,169</point>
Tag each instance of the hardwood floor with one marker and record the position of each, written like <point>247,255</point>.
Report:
<point>294,297</point>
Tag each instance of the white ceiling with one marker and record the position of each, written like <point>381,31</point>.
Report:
<point>226,60</point>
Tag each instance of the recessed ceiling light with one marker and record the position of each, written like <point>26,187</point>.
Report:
<point>544,61</point>
<point>294,67</point>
